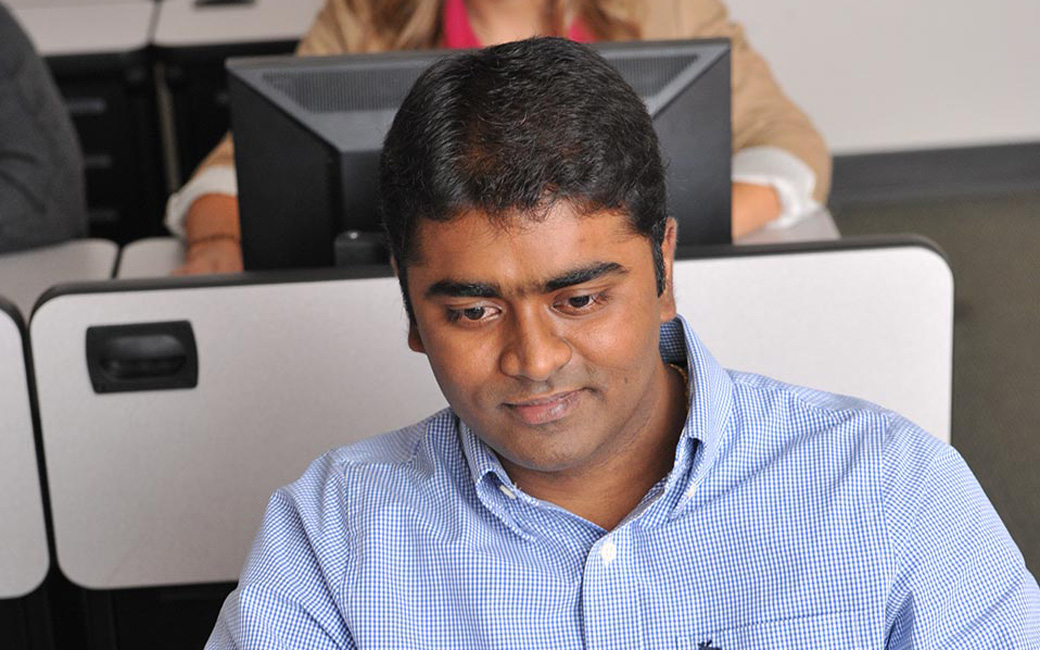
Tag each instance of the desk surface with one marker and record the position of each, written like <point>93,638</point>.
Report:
<point>25,275</point>
<point>19,4</point>
<point>181,23</point>
<point>157,256</point>
<point>70,27</point>
<point>153,257</point>
<point>818,226</point>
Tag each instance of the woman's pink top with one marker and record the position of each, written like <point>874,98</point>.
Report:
<point>458,33</point>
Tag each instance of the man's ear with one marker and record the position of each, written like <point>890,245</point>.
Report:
<point>414,340</point>
<point>671,236</point>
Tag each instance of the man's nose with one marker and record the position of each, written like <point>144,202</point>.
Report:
<point>536,349</point>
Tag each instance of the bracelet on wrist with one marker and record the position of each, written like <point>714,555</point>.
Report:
<point>215,237</point>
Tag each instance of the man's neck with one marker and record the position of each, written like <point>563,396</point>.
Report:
<point>502,21</point>
<point>607,492</point>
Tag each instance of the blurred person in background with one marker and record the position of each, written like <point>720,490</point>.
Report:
<point>42,195</point>
<point>781,165</point>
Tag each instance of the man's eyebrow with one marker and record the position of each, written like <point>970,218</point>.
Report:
<point>462,289</point>
<point>583,274</point>
<point>456,289</point>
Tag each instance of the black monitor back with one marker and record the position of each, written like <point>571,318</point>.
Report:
<point>308,133</point>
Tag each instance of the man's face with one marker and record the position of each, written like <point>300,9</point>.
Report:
<point>543,335</point>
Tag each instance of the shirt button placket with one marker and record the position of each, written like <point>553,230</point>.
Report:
<point>609,605</point>
<point>608,551</point>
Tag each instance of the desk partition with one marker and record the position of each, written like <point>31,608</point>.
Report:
<point>24,559</point>
<point>864,318</point>
<point>24,556</point>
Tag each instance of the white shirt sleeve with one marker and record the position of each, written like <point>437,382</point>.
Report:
<point>793,180</point>
<point>219,179</point>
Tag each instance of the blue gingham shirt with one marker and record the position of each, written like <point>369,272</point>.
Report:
<point>791,519</point>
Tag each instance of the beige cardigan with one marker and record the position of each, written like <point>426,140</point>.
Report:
<point>762,114</point>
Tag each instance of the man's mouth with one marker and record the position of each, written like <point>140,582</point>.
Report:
<point>545,409</point>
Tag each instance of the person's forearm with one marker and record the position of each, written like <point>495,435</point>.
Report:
<point>753,207</point>
<point>213,236</point>
<point>211,217</point>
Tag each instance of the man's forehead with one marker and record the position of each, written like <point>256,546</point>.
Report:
<point>471,231</point>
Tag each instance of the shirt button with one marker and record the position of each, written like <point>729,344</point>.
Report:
<point>506,491</point>
<point>608,551</point>
<point>692,490</point>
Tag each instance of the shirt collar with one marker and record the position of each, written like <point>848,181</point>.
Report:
<point>708,413</point>
<point>482,461</point>
<point>711,401</point>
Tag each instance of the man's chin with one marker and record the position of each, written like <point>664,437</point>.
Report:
<point>546,459</point>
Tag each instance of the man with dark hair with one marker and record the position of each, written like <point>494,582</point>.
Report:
<point>599,480</point>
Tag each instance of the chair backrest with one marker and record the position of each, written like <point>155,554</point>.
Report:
<point>167,487</point>
<point>24,558</point>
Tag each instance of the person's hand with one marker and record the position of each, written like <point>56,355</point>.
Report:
<point>753,207</point>
<point>214,244</point>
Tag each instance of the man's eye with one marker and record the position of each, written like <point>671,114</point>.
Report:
<point>581,304</point>
<point>472,314</point>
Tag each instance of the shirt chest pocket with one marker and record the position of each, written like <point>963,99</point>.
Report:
<point>849,630</point>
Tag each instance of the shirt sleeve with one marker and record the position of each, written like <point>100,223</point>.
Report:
<point>958,579</point>
<point>289,593</point>
<point>793,181</point>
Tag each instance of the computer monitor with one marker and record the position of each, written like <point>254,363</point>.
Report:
<point>308,133</point>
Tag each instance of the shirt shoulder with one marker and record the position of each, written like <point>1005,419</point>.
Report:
<point>801,410</point>
<point>398,447</point>
<point>899,450</point>
<point>951,569</point>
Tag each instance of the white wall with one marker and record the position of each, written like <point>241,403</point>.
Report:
<point>885,75</point>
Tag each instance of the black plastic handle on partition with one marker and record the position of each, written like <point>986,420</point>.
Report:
<point>142,356</point>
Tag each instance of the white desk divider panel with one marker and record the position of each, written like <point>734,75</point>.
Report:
<point>168,487</point>
<point>874,322</point>
<point>24,558</point>
<point>817,226</point>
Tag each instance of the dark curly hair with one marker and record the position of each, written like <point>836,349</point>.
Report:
<point>511,130</point>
